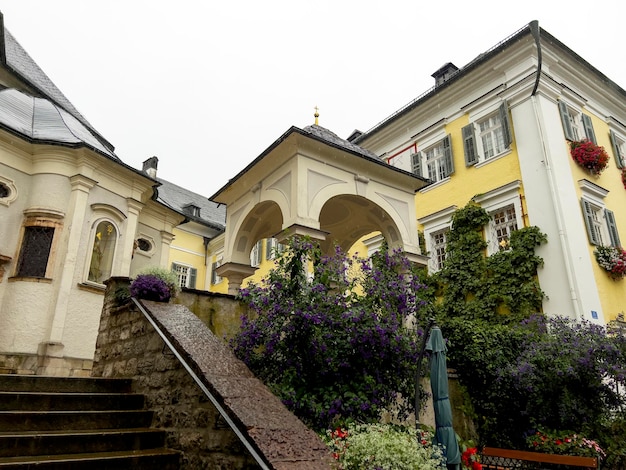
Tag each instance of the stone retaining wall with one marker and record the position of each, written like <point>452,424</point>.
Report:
<point>128,346</point>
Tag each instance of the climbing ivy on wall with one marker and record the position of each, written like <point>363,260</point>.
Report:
<point>500,288</point>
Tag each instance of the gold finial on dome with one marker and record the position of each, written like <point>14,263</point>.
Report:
<point>317,115</point>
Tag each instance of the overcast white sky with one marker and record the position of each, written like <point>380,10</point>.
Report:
<point>206,86</point>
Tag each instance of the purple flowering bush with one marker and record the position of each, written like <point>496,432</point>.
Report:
<point>150,287</point>
<point>542,373</point>
<point>333,346</point>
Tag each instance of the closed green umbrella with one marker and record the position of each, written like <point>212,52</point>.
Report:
<point>444,433</point>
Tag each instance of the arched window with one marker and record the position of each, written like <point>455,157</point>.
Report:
<point>103,250</point>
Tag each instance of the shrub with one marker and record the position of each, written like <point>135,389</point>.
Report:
<point>327,349</point>
<point>384,447</point>
<point>154,283</point>
<point>150,287</point>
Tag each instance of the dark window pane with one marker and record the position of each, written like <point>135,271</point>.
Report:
<point>35,251</point>
<point>4,191</point>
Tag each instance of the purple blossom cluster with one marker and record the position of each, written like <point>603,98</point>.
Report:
<point>334,346</point>
<point>150,287</point>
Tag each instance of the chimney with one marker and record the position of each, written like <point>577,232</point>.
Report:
<point>444,73</point>
<point>150,167</point>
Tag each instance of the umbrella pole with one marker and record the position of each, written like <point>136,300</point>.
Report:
<point>418,373</point>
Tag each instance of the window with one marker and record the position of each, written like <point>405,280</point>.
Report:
<point>185,275</point>
<point>272,247</point>
<point>8,191</point>
<point>35,251</point>
<point>436,228</point>
<point>438,248</point>
<point>436,162</point>
<point>504,206</point>
<point>487,137</point>
<point>215,279</point>
<point>192,210</point>
<point>504,222</point>
<point>256,254</point>
<point>576,125</point>
<point>599,221</point>
<point>619,149</point>
<point>102,252</point>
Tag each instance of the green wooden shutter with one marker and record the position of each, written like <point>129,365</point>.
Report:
<point>193,273</point>
<point>567,126</point>
<point>213,273</point>
<point>416,163</point>
<point>619,158</point>
<point>506,124</point>
<point>449,158</point>
<point>589,128</point>
<point>469,145</point>
<point>612,226</point>
<point>588,216</point>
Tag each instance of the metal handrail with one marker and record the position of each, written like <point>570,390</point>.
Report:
<point>243,438</point>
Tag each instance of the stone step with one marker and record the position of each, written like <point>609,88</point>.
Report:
<point>38,383</point>
<point>161,459</point>
<point>62,442</point>
<point>73,420</point>
<point>52,401</point>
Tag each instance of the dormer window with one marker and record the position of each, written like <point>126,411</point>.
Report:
<point>192,210</point>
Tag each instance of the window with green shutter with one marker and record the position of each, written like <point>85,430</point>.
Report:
<point>619,149</point>
<point>487,137</point>
<point>436,162</point>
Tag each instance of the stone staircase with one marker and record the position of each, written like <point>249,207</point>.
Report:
<point>77,423</point>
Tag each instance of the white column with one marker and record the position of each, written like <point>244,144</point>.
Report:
<point>77,208</point>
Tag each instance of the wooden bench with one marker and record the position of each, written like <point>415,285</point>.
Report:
<point>506,459</point>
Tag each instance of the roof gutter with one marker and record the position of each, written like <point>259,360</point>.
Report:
<point>536,33</point>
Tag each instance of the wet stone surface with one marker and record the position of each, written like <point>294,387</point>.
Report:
<point>128,346</point>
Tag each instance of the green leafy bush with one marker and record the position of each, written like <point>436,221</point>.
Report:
<point>384,447</point>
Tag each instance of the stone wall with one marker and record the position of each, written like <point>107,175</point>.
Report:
<point>159,346</point>
<point>220,312</point>
<point>128,346</point>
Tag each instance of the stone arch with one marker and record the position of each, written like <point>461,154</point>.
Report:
<point>347,217</point>
<point>264,220</point>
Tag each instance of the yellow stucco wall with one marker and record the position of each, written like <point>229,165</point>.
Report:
<point>612,292</point>
<point>467,182</point>
<point>188,249</point>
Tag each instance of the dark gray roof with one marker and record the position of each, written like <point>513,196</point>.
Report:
<point>26,69</point>
<point>40,120</point>
<point>333,138</point>
<point>175,197</point>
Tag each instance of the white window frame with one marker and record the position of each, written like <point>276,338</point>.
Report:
<point>439,221</point>
<point>439,250</point>
<point>12,189</point>
<point>502,227</point>
<point>436,161</point>
<point>577,125</point>
<point>256,254</point>
<point>474,136</point>
<point>215,278</point>
<point>184,271</point>
<point>92,238</point>
<point>495,200</point>
<point>598,220</point>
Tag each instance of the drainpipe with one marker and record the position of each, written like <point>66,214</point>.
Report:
<point>569,271</point>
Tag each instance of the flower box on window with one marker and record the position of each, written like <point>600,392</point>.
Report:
<point>612,259</point>
<point>590,156</point>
